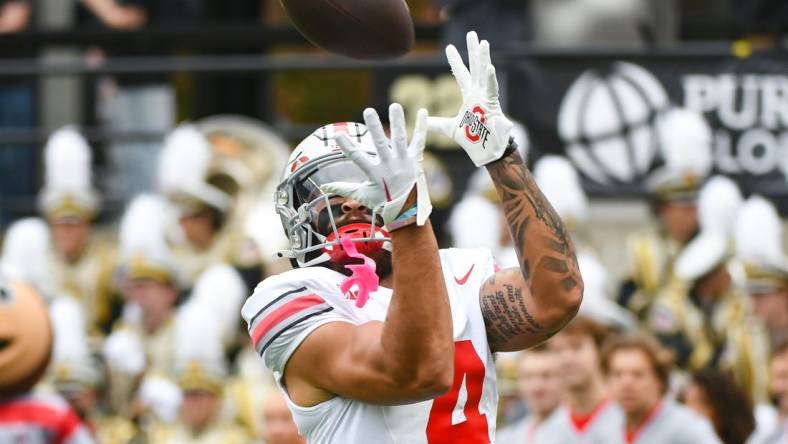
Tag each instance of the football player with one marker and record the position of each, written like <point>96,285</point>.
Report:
<point>411,360</point>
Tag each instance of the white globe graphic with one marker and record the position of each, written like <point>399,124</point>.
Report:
<point>607,122</point>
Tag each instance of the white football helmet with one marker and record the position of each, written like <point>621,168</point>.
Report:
<point>302,205</point>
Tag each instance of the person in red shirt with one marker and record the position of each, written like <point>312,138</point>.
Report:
<point>587,414</point>
<point>638,370</point>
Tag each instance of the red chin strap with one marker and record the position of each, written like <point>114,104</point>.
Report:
<point>355,231</point>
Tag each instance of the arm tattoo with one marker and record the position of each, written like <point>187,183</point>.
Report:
<point>540,237</point>
<point>506,316</point>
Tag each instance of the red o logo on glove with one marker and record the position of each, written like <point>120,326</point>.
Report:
<point>474,123</point>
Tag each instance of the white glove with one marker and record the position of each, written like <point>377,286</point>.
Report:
<point>124,352</point>
<point>398,169</point>
<point>480,127</point>
<point>162,397</point>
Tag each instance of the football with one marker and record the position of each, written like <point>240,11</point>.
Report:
<point>361,29</point>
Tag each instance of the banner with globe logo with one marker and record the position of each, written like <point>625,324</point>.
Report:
<point>602,112</point>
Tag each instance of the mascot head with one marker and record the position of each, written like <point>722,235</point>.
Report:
<point>25,337</point>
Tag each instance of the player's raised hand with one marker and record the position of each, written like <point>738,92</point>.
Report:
<point>393,175</point>
<point>480,127</point>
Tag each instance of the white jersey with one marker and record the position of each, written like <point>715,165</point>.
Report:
<point>284,309</point>
<point>769,429</point>
<point>672,423</point>
<point>598,427</point>
<point>523,431</point>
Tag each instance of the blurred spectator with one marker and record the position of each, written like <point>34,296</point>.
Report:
<point>201,372</point>
<point>14,15</point>
<point>540,389</point>
<point>777,433</point>
<point>503,23</point>
<point>759,245</point>
<point>718,397</point>
<point>127,15</point>
<point>638,371</point>
<point>150,281</point>
<point>80,263</point>
<point>705,316</point>
<point>17,110</point>
<point>686,148</point>
<point>203,190</point>
<point>142,102</point>
<point>587,414</point>
<point>78,376</point>
<point>278,424</point>
<point>612,22</point>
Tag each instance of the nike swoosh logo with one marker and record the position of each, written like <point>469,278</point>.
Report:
<point>464,279</point>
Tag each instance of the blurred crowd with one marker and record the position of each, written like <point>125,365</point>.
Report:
<point>149,345</point>
<point>148,341</point>
<point>692,345</point>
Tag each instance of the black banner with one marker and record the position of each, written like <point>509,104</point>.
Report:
<point>598,105</point>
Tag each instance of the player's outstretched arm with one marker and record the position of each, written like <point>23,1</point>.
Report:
<point>524,306</point>
<point>409,357</point>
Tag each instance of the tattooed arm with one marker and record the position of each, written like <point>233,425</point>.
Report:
<point>526,305</point>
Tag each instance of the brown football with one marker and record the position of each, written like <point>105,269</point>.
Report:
<point>362,29</point>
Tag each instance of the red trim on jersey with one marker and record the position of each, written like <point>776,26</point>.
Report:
<point>631,437</point>
<point>282,313</point>
<point>581,422</point>
<point>63,422</point>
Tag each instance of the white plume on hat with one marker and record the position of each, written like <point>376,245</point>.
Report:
<point>123,351</point>
<point>25,254</point>
<point>758,234</point>
<point>686,147</point>
<point>475,221</point>
<point>718,203</point>
<point>184,163</point>
<point>596,304</point>
<point>263,226</point>
<point>67,165</point>
<point>198,340</point>
<point>162,397</point>
<point>560,183</point>
<point>520,135</point>
<point>221,290</point>
<point>143,232</point>
<point>71,356</point>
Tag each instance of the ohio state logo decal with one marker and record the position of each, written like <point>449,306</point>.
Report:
<point>475,129</point>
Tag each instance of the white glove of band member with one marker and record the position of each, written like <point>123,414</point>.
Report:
<point>398,169</point>
<point>480,127</point>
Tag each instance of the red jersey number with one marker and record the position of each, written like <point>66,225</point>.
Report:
<point>468,368</point>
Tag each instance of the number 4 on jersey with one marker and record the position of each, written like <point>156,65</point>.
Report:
<point>447,427</point>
